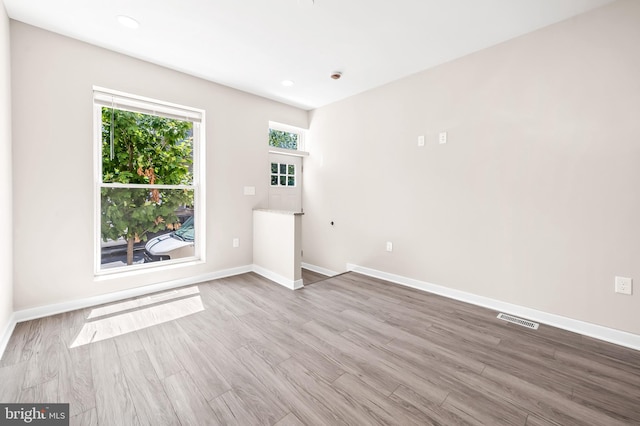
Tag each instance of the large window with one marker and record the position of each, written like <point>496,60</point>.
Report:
<point>148,183</point>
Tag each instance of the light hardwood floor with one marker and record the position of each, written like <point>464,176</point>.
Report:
<point>347,350</point>
<point>310,277</point>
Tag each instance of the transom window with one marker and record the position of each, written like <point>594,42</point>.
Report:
<point>282,139</point>
<point>283,174</point>
<point>148,186</point>
<point>286,137</point>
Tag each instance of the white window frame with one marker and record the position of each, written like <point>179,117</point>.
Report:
<point>302,139</point>
<point>286,175</point>
<point>125,101</point>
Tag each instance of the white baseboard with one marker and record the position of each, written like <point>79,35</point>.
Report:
<point>290,284</point>
<point>606,334</point>
<point>6,334</point>
<point>58,308</point>
<point>319,269</point>
<point>618,337</point>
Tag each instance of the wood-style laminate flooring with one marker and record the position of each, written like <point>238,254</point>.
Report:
<point>348,350</point>
<point>311,277</point>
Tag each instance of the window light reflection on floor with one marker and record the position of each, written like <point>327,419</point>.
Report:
<point>126,317</point>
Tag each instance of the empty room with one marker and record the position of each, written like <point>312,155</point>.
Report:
<point>320,212</point>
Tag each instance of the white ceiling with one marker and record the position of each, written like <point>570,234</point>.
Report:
<point>253,45</point>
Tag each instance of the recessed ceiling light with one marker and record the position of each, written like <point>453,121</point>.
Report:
<point>287,83</point>
<point>305,3</point>
<point>128,21</point>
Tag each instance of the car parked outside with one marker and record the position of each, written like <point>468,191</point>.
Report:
<point>173,245</point>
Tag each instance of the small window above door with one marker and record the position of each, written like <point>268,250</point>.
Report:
<point>285,138</point>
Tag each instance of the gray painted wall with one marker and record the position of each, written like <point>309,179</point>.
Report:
<point>534,200</point>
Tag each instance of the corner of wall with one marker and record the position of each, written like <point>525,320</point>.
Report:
<point>7,322</point>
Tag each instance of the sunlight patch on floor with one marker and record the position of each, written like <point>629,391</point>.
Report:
<point>142,301</point>
<point>126,317</point>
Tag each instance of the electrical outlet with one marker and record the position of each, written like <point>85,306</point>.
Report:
<point>442,137</point>
<point>624,285</point>
<point>389,246</point>
<point>421,140</point>
<point>236,242</point>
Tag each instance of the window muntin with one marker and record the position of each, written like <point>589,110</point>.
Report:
<point>283,174</point>
<point>147,182</point>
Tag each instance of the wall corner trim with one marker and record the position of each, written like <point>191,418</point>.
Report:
<point>277,278</point>
<point>6,334</point>
<point>599,332</point>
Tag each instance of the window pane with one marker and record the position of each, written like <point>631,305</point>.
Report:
<point>158,223</point>
<point>274,180</point>
<point>291,181</point>
<point>281,139</point>
<point>146,149</point>
<point>291,169</point>
<point>283,180</point>
<point>274,167</point>
<point>283,169</point>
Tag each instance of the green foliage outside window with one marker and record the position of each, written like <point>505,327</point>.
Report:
<point>282,139</point>
<point>148,150</point>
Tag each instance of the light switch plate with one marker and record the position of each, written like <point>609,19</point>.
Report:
<point>249,190</point>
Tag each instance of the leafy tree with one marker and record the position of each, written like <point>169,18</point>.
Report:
<point>282,139</point>
<point>149,150</point>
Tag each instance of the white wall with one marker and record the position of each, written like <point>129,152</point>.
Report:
<point>534,200</point>
<point>277,242</point>
<point>6,242</point>
<point>52,169</point>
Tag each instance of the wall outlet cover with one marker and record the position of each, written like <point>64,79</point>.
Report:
<point>442,137</point>
<point>624,285</point>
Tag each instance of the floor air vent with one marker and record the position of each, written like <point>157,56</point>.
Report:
<point>523,322</point>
